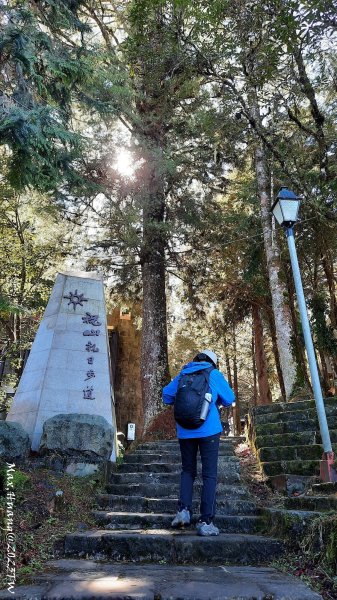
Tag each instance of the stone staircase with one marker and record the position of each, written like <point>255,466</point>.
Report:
<point>287,440</point>
<point>134,553</point>
<point>142,500</point>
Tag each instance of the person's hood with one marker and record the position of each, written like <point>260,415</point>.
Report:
<point>195,366</point>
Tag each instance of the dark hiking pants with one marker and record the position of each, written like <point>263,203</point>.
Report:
<point>209,450</point>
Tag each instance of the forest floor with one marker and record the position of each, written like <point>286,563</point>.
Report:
<point>39,522</point>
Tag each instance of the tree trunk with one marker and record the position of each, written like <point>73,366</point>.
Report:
<point>237,417</point>
<point>298,339</point>
<point>277,287</point>
<point>328,268</point>
<point>228,364</point>
<point>324,372</point>
<point>154,356</point>
<point>264,396</point>
<point>255,390</point>
<point>272,329</point>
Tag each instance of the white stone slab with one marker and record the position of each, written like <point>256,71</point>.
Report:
<point>56,377</point>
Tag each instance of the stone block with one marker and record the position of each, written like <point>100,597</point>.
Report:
<point>80,469</point>
<point>312,503</point>
<point>14,441</point>
<point>278,453</point>
<point>299,467</point>
<point>325,488</point>
<point>77,434</point>
<point>291,483</point>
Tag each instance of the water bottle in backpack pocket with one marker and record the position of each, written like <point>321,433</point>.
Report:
<point>192,401</point>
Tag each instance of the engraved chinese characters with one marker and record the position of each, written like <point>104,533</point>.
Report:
<point>90,347</point>
<point>76,298</point>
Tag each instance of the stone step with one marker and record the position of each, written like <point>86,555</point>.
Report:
<point>130,467</point>
<point>292,467</point>
<point>224,440</point>
<point>161,490</point>
<point>292,426</point>
<point>81,579</point>
<point>170,467</point>
<point>151,457</point>
<point>291,406</point>
<point>176,547</point>
<point>126,520</point>
<point>313,503</point>
<point>296,415</point>
<point>325,489</point>
<point>288,523</point>
<point>224,476</point>
<point>313,452</point>
<point>226,505</point>
<point>171,455</point>
<point>304,438</point>
<point>223,451</point>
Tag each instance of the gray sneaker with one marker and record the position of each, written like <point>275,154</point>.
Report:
<point>182,517</point>
<point>206,529</point>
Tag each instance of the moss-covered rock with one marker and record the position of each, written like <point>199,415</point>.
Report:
<point>299,467</point>
<point>301,438</point>
<point>290,525</point>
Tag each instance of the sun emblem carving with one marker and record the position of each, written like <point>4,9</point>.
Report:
<point>75,298</point>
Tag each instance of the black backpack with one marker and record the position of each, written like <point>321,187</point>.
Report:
<point>190,396</point>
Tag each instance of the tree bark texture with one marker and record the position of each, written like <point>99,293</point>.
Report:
<point>272,329</point>
<point>154,356</point>
<point>298,339</point>
<point>328,268</point>
<point>237,416</point>
<point>264,396</point>
<point>255,388</point>
<point>278,289</point>
<point>228,364</point>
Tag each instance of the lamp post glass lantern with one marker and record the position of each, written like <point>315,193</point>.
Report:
<point>286,207</point>
<point>285,210</point>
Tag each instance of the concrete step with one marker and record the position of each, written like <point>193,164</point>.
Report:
<point>81,579</point>
<point>162,490</point>
<point>174,447</point>
<point>225,505</point>
<point>304,438</point>
<point>294,415</point>
<point>325,489</point>
<point>313,452</point>
<point>176,547</point>
<point>291,406</point>
<point>128,521</point>
<point>292,467</point>
<point>313,503</point>
<point>292,426</point>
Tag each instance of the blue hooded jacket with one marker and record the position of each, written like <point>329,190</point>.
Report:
<point>222,393</point>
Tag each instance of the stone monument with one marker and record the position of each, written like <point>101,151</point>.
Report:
<point>68,369</point>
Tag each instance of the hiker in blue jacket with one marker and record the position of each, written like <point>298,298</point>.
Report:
<point>206,438</point>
